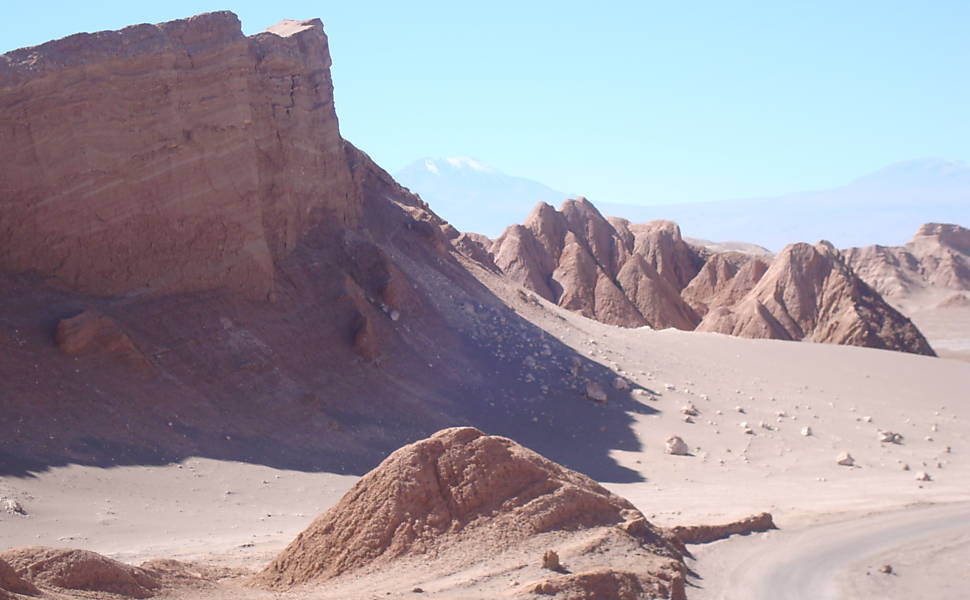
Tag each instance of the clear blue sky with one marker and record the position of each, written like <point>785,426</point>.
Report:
<point>638,102</point>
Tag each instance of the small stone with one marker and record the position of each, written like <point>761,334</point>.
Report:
<point>12,506</point>
<point>923,476</point>
<point>845,459</point>
<point>677,446</point>
<point>595,392</point>
<point>887,569</point>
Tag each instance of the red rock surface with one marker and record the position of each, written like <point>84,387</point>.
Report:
<point>599,267</point>
<point>937,256</point>
<point>12,583</point>
<point>810,293</point>
<point>169,158</point>
<point>190,185</point>
<point>79,570</point>
<point>458,486</point>
<point>704,534</point>
<point>94,333</point>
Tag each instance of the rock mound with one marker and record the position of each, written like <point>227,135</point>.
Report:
<point>458,485</point>
<point>79,570</point>
<point>603,583</point>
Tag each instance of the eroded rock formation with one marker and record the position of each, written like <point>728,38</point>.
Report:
<point>938,256</point>
<point>78,570</point>
<point>810,293</point>
<point>604,269</point>
<point>462,487</point>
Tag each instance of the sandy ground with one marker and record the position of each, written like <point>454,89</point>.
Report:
<point>927,547</point>
<point>234,514</point>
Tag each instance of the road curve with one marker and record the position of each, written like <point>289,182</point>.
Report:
<point>806,563</point>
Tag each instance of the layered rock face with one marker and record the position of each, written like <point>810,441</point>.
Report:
<point>810,293</point>
<point>938,256</point>
<point>604,269</point>
<point>169,158</point>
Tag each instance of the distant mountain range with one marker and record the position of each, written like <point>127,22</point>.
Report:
<point>884,207</point>
<point>473,196</point>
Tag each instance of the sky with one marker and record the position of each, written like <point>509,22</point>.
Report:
<point>635,102</point>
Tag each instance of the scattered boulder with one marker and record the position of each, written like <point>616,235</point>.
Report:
<point>79,570</point>
<point>806,431</point>
<point>596,392</point>
<point>11,506</point>
<point>690,410</point>
<point>923,476</point>
<point>887,569</point>
<point>890,437</point>
<point>621,383</point>
<point>845,459</point>
<point>677,446</point>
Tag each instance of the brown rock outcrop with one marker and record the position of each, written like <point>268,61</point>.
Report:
<point>584,262</point>
<point>13,583</point>
<point>91,332</point>
<point>810,293</point>
<point>938,256</point>
<point>607,583</point>
<point>79,570</point>
<point>459,485</point>
<point>723,281</point>
<point>169,158</point>
<point>703,534</point>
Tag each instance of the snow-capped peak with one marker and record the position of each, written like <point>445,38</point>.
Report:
<point>464,162</point>
<point>431,167</point>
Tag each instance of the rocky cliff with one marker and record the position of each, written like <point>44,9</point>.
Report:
<point>169,158</point>
<point>193,261</point>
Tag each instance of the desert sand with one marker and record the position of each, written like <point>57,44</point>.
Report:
<point>238,515</point>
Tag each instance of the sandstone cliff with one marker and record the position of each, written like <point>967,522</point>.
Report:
<point>193,261</point>
<point>169,158</point>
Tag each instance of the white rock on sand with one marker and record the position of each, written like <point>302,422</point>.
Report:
<point>677,446</point>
